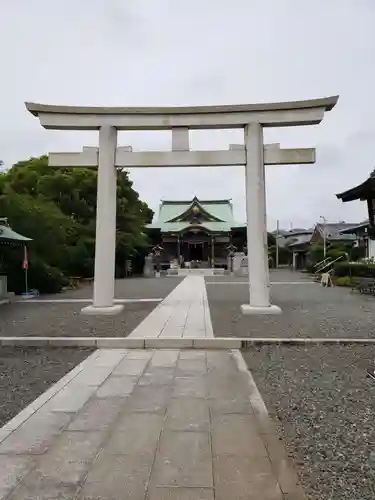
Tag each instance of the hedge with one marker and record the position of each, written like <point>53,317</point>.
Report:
<point>344,281</point>
<point>354,269</point>
<point>41,276</point>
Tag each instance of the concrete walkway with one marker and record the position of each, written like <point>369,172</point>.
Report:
<point>184,313</point>
<point>143,424</point>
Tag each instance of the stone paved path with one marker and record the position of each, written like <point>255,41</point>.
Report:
<point>150,425</point>
<point>183,313</point>
<point>143,424</point>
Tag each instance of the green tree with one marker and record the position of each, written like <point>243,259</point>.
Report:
<point>57,209</point>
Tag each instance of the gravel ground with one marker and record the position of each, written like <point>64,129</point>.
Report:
<point>26,373</point>
<point>129,288</point>
<point>309,310</point>
<point>65,320</point>
<point>324,405</point>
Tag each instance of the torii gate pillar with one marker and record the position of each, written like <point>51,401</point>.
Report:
<point>105,240</point>
<point>257,247</point>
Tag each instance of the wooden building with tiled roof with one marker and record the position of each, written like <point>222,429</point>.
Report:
<point>197,231</point>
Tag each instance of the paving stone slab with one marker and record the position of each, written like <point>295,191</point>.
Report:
<point>109,357</point>
<point>68,460</point>
<point>44,418</point>
<point>98,414</point>
<point>36,435</point>
<point>192,354</point>
<point>220,388</point>
<point>298,494</point>
<point>244,478</point>
<point>131,367</point>
<point>135,434</point>
<point>236,435</point>
<point>93,376</point>
<point>157,375</point>
<point>115,477</point>
<point>191,387</point>
<point>148,399</point>
<point>140,354</point>
<point>180,494</point>
<point>188,414</point>
<point>220,359</point>
<point>191,367</point>
<point>70,399</point>
<point>165,358</point>
<point>230,405</point>
<point>281,465</point>
<point>183,459</point>
<point>4,434</point>
<point>119,387</point>
<point>12,470</point>
<point>44,491</point>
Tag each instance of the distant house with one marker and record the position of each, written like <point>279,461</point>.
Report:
<point>283,235</point>
<point>298,242</point>
<point>336,232</point>
<point>362,239</point>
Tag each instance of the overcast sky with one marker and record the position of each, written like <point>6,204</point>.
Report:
<point>196,52</point>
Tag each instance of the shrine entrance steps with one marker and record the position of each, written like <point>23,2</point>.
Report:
<point>201,272</point>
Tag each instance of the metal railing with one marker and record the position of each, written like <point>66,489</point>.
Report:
<point>326,265</point>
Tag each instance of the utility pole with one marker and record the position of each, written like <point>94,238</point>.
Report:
<point>277,244</point>
<point>324,236</point>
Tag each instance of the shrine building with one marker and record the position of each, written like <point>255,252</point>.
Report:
<point>200,231</point>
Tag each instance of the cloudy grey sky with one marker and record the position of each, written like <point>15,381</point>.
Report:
<point>178,52</point>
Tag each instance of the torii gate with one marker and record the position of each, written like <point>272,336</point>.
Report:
<point>253,155</point>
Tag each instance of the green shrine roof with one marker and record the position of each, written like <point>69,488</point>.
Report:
<point>7,234</point>
<point>177,216</point>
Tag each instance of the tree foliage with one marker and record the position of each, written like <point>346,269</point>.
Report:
<point>333,251</point>
<point>57,209</point>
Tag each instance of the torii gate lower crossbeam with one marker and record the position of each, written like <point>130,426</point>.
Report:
<point>254,155</point>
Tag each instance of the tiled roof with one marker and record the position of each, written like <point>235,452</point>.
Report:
<point>301,239</point>
<point>333,230</point>
<point>7,234</point>
<point>171,227</point>
<point>221,210</point>
<point>361,225</point>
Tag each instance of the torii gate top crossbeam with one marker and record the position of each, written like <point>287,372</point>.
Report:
<point>281,114</point>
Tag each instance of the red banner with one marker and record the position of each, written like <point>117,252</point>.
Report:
<point>25,263</point>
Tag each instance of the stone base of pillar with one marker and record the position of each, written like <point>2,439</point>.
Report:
<point>102,311</point>
<point>247,310</point>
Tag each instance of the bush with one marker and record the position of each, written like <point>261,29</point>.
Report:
<point>41,276</point>
<point>356,270</point>
<point>344,281</point>
<point>357,253</point>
